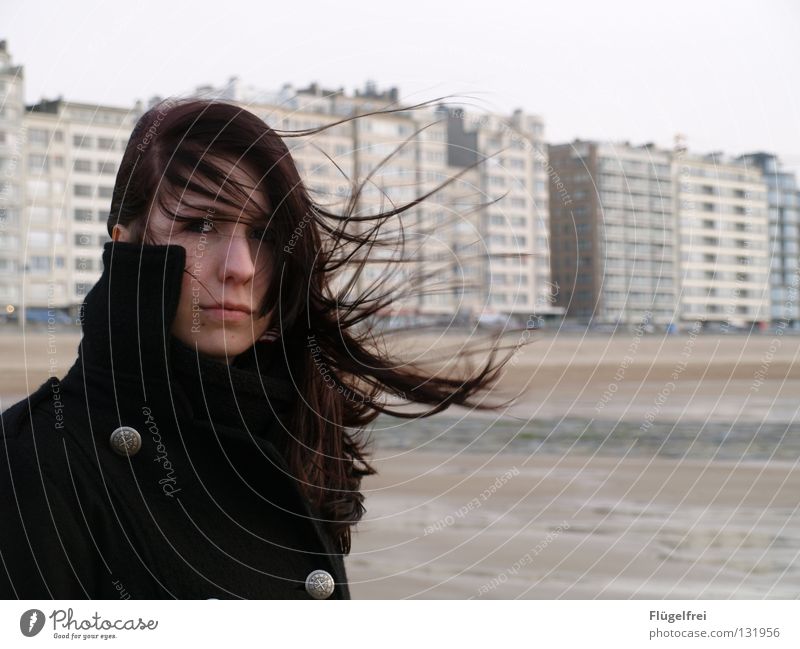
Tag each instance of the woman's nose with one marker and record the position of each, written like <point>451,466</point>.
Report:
<point>236,263</point>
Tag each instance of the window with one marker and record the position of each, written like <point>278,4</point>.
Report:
<point>84,240</point>
<point>81,141</point>
<point>38,162</point>
<point>106,143</point>
<point>82,190</point>
<point>38,136</point>
<point>106,167</point>
<point>8,265</point>
<point>82,165</point>
<point>39,264</point>
<point>82,288</point>
<point>83,216</point>
<point>7,217</point>
<point>84,263</point>
<point>105,192</point>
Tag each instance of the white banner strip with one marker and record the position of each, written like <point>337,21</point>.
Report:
<point>332,624</point>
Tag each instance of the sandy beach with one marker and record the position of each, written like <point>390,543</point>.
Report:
<point>550,527</point>
<point>447,518</point>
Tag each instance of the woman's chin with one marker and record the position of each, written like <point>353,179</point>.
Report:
<point>222,346</point>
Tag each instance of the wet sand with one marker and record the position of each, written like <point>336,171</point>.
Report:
<point>570,527</point>
<point>724,378</point>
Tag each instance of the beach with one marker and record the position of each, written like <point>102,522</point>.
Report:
<point>477,526</point>
<point>630,466</point>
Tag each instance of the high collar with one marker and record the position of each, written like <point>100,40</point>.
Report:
<point>126,320</point>
<point>127,315</point>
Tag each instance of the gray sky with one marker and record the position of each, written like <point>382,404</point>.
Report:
<point>725,74</point>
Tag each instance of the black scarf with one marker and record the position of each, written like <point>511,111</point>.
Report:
<point>247,394</point>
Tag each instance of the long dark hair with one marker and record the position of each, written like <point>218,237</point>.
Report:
<point>328,335</point>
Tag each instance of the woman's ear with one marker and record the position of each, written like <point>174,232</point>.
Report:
<point>120,233</point>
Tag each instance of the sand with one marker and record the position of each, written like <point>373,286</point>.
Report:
<point>549,527</point>
<point>483,525</point>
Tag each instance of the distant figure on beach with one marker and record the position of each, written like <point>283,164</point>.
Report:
<point>207,442</point>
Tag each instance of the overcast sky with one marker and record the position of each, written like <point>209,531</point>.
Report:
<point>725,74</point>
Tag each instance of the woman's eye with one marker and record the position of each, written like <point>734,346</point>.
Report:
<point>199,225</point>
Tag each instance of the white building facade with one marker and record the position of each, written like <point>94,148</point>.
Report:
<point>60,160</point>
<point>723,240</point>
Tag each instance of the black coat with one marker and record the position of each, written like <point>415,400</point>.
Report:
<point>205,509</point>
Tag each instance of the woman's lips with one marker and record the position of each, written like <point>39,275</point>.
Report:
<point>231,315</point>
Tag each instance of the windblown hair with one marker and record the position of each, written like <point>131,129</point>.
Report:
<point>328,335</point>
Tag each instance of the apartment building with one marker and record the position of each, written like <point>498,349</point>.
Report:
<point>72,155</point>
<point>480,242</point>
<point>514,226</point>
<point>783,210</point>
<point>612,232</point>
<point>12,143</point>
<point>59,162</point>
<point>723,240</point>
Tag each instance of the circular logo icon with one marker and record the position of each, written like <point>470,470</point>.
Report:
<point>31,622</point>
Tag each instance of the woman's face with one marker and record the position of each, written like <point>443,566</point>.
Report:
<point>228,267</point>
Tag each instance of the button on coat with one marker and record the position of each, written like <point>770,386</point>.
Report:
<point>126,441</point>
<point>319,584</point>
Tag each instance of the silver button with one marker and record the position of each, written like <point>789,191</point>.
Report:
<point>319,584</point>
<point>126,441</point>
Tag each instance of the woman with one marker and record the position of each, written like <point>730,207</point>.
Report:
<point>206,444</point>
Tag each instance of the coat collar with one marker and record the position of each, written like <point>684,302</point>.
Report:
<point>126,320</point>
<point>127,314</point>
